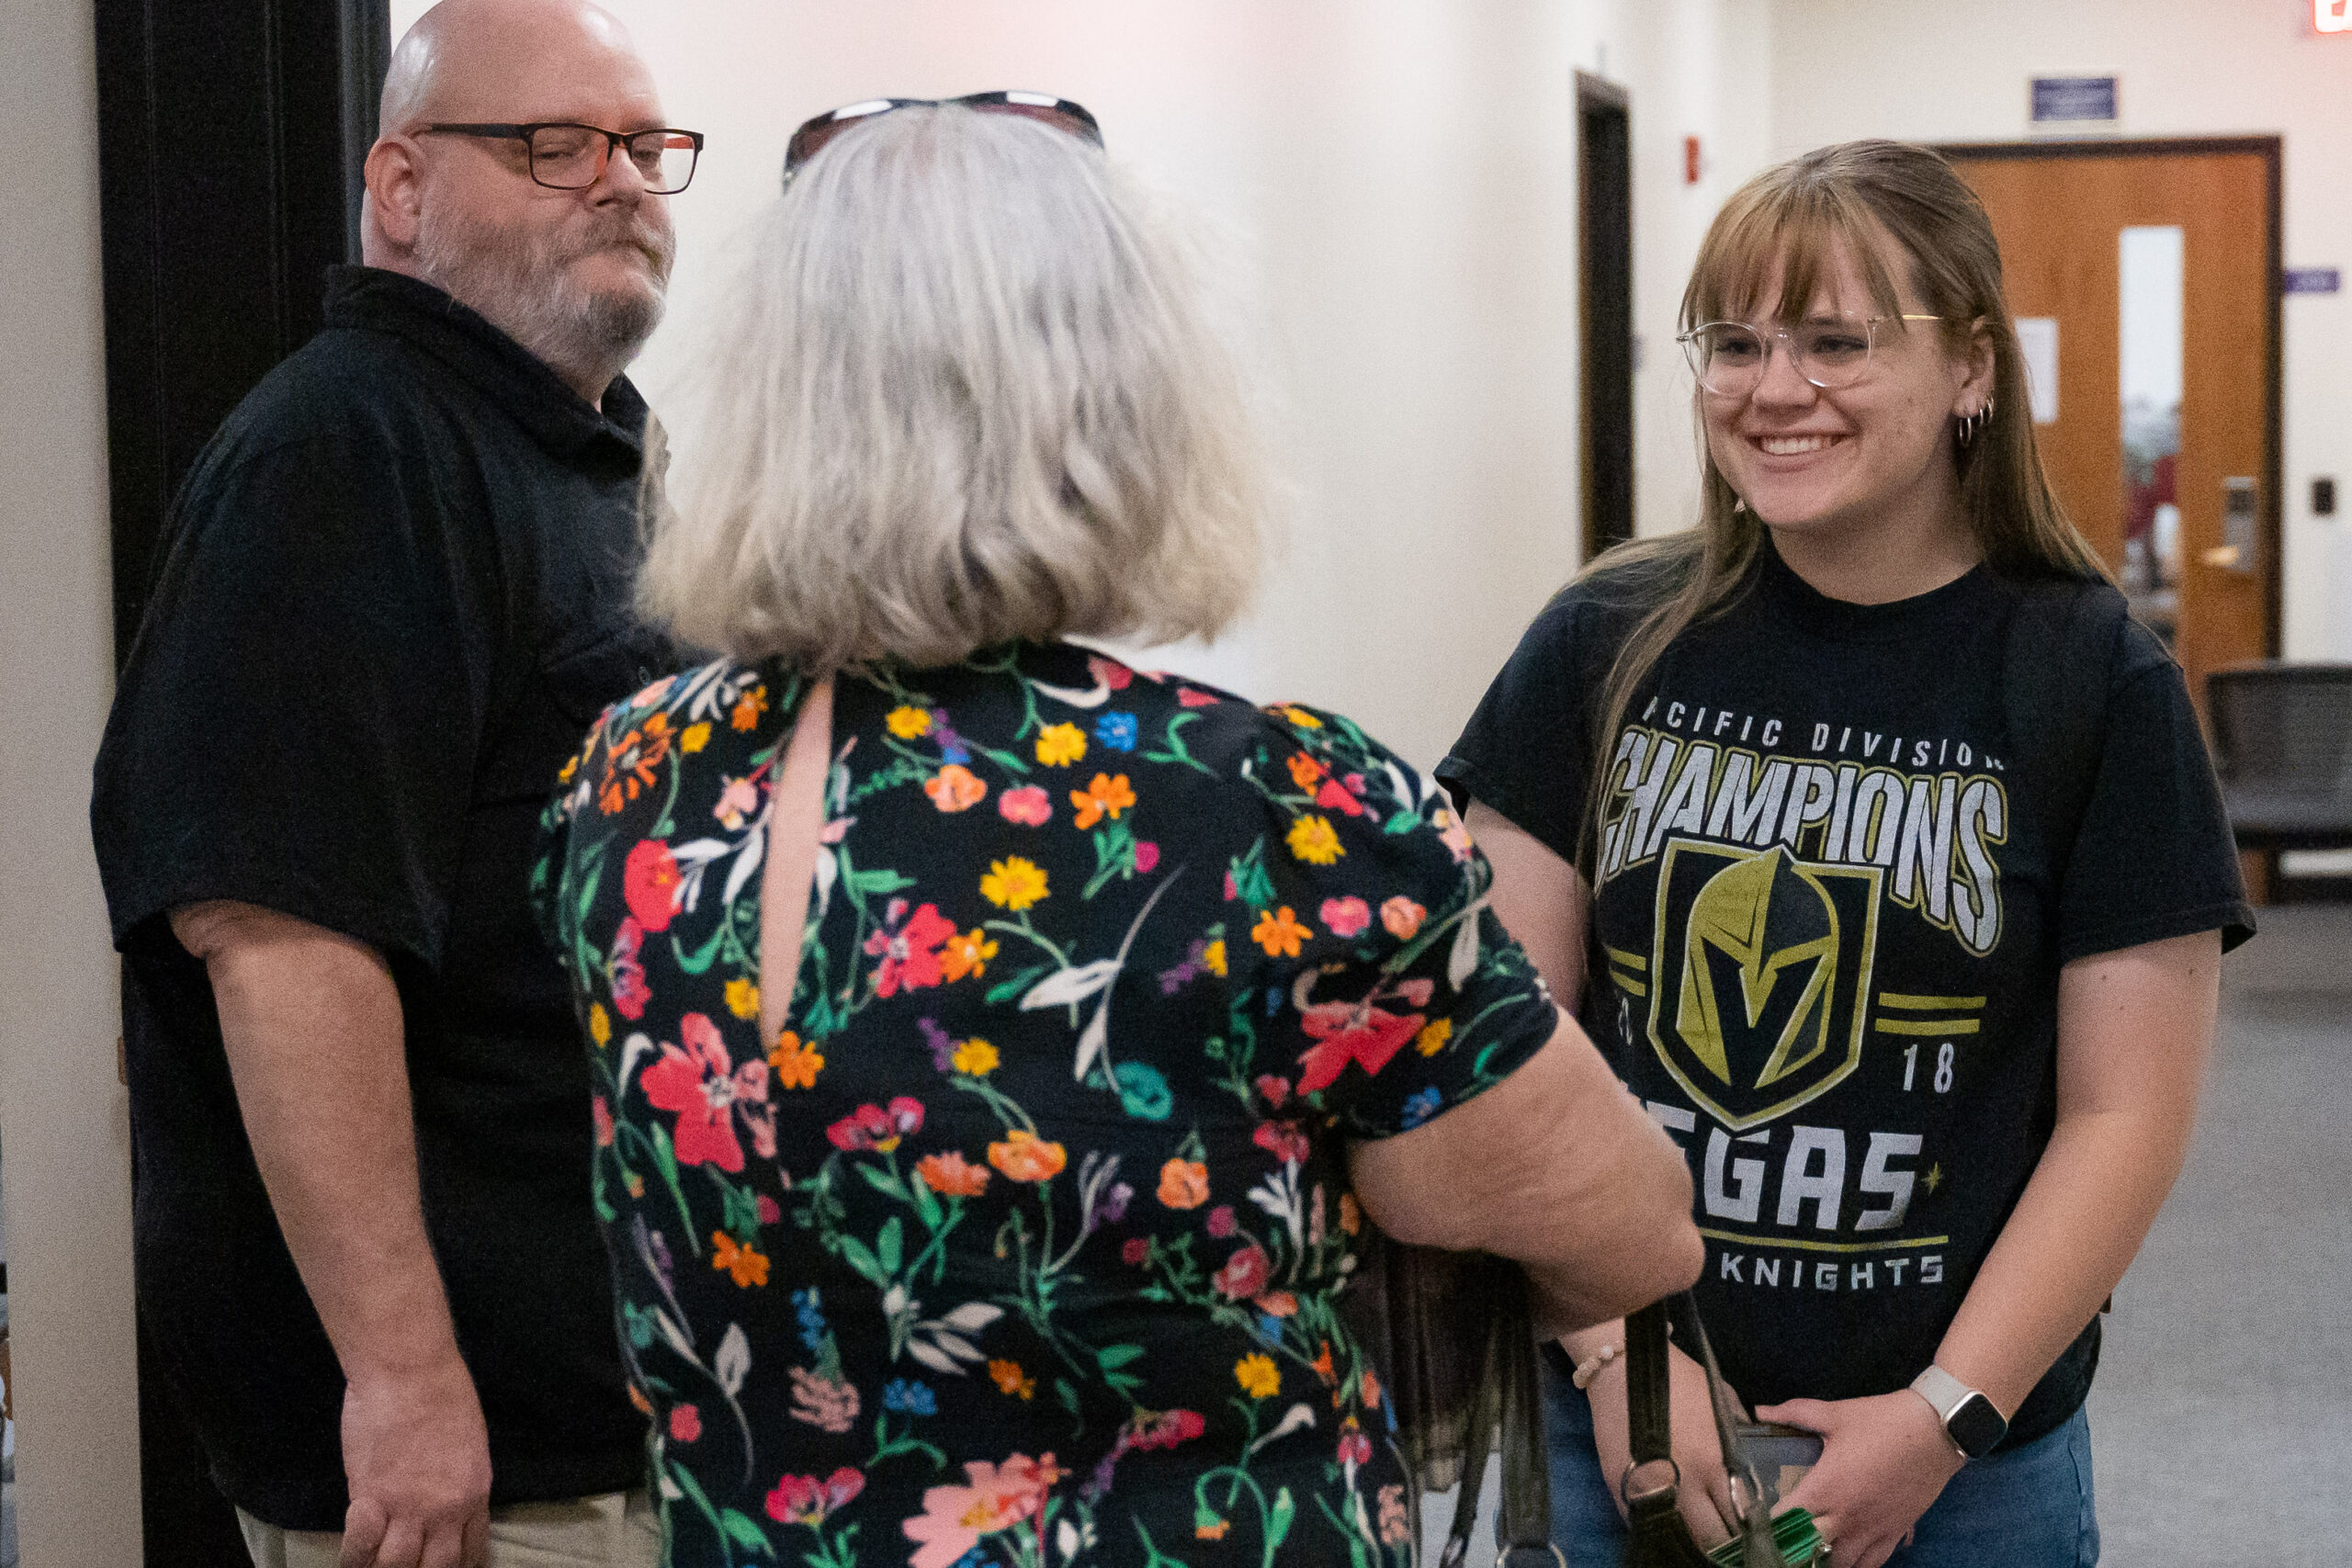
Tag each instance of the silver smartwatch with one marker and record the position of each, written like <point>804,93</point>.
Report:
<point>1971,1421</point>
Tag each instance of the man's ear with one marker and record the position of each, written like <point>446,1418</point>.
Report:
<point>395,193</point>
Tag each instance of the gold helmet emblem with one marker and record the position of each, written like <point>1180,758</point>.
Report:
<point>1773,921</point>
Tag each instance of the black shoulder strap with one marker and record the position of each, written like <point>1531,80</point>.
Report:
<point>2059,648</point>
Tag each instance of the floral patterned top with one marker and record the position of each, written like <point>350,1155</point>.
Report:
<point>1023,1244</point>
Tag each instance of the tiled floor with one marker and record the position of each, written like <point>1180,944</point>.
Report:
<point>2221,1420</point>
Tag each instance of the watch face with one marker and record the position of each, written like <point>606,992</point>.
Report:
<point>1975,1426</point>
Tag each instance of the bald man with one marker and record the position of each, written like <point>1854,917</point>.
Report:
<point>397,590</point>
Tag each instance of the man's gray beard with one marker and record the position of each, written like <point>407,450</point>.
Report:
<point>522,284</point>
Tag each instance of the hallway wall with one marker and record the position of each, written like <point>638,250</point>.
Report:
<point>1392,185</point>
<point>63,1129</point>
<point>1850,68</point>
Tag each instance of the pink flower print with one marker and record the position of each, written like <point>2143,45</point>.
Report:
<point>1354,1447</point>
<point>1110,672</point>
<point>1283,1141</point>
<point>601,1114</point>
<point>873,1127</point>
<point>823,1404</point>
<point>685,1423</point>
<point>630,993</point>
<point>770,1209</point>
<point>910,953</point>
<point>1146,854</point>
<point>700,1084</point>
<point>1221,1222</point>
<point>1401,917</point>
<point>1029,806</point>
<point>1275,1090</point>
<point>1190,698</point>
<point>998,1497</point>
<point>1359,1032</point>
<point>738,802</point>
<point>1136,1251</point>
<point>805,1500</point>
<point>1456,836</point>
<point>1244,1274</point>
<point>1232,890</point>
<point>1345,916</point>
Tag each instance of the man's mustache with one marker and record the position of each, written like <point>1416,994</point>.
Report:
<point>631,232</point>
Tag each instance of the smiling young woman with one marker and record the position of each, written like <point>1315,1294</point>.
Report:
<point>1776,799</point>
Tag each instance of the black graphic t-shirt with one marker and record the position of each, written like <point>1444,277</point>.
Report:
<point>1828,930</point>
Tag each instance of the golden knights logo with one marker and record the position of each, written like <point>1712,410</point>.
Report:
<point>1755,999</point>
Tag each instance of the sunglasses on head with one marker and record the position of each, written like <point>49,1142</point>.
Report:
<point>1060,113</point>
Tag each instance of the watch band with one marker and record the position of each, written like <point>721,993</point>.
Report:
<point>1971,1421</point>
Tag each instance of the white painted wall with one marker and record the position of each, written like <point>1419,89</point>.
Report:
<point>1848,68</point>
<point>63,1129</point>
<point>1394,182</point>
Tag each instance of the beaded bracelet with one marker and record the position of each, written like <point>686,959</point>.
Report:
<point>1590,1368</point>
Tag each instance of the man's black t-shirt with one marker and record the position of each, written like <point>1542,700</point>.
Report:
<point>396,587</point>
<point>1828,930</point>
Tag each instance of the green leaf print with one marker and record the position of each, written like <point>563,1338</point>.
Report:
<point>745,1531</point>
<point>1249,878</point>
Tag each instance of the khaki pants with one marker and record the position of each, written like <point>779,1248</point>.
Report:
<point>620,1530</point>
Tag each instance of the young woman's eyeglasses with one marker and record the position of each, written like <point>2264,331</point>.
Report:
<point>573,157</point>
<point>1830,352</point>
<point>1060,113</point>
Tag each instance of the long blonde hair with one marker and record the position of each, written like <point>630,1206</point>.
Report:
<point>972,391</point>
<point>1856,196</point>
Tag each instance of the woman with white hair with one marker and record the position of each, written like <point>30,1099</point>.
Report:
<point>1001,1051</point>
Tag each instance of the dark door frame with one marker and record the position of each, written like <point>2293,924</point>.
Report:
<point>1605,310</point>
<point>231,137</point>
<point>2271,149</point>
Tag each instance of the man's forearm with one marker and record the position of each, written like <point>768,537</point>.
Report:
<point>316,1048</point>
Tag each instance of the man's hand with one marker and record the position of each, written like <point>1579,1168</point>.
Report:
<point>418,1459</point>
<point>1883,1461</point>
<point>1704,1496</point>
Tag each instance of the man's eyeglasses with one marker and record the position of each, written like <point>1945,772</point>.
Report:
<point>1831,351</point>
<point>1060,113</point>
<point>573,157</point>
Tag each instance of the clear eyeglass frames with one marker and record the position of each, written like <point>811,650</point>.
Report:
<point>1831,351</point>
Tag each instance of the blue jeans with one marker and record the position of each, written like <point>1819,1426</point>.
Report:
<point>2026,1507</point>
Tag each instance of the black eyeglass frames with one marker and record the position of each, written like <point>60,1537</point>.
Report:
<point>573,157</point>
<point>1060,113</point>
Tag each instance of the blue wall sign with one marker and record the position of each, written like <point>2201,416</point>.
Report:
<point>2313,281</point>
<point>2074,98</point>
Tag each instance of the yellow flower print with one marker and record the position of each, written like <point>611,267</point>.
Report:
<point>1257,1376</point>
<point>967,954</point>
<point>797,1063</point>
<point>1312,839</point>
<point>600,1024</point>
<point>1104,796</point>
<point>1059,745</point>
<point>1300,717</point>
<point>1213,955</point>
<point>1010,1379</point>
<point>570,768</point>
<point>744,1266</point>
<point>742,997</point>
<point>908,723</point>
<point>975,1057</point>
<point>1279,932</point>
<point>695,738</point>
<point>1013,883</point>
<point>1433,1036</point>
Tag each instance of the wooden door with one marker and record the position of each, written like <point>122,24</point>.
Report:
<point>2062,213</point>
